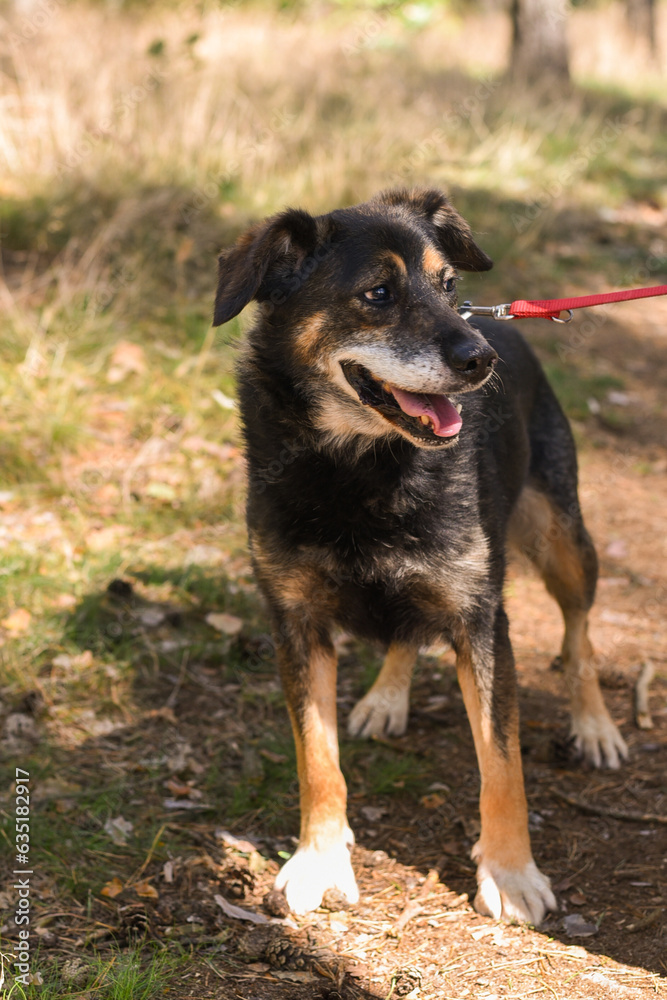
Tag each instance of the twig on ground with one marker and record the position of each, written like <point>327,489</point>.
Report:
<point>587,807</point>
<point>173,697</point>
<point>652,917</point>
<point>643,718</point>
<point>140,871</point>
<point>415,906</point>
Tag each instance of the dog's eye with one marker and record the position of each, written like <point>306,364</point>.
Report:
<point>449,284</point>
<point>379,294</point>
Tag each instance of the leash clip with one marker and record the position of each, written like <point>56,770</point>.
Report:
<point>501,311</point>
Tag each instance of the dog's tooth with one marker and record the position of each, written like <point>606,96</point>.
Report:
<point>458,406</point>
<point>425,420</point>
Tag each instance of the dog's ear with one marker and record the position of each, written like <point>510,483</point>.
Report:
<point>270,249</point>
<point>452,231</point>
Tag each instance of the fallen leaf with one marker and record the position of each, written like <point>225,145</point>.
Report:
<point>65,601</point>
<point>256,863</point>
<point>151,617</point>
<point>229,840</point>
<point>619,398</point>
<point>237,913</point>
<point>112,888</point>
<point>184,804</point>
<point>227,624</point>
<point>432,801</point>
<point>105,538</point>
<point>565,883</point>
<point>119,830</point>
<point>576,926</point>
<point>160,491</point>
<point>162,713</point>
<point>373,813</point>
<point>146,890</point>
<point>275,758</point>
<point>126,358</point>
<point>17,622</point>
<point>180,789</point>
<point>577,898</point>
<point>66,662</point>
<point>297,976</point>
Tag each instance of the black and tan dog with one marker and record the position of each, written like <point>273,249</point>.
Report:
<point>393,449</point>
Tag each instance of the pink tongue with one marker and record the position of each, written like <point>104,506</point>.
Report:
<point>446,419</point>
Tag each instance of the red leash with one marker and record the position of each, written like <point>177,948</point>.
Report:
<point>552,308</point>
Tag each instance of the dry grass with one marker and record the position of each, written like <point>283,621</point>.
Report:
<point>290,108</point>
<point>135,142</point>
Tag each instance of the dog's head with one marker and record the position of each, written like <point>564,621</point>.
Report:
<point>360,306</point>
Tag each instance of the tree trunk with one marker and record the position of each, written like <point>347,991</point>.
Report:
<point>640,16</point>
<point>539,41</point>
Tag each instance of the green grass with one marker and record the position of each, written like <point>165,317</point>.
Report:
<point>136,974</point>
<point>383,771</point>
<point>574,390</point>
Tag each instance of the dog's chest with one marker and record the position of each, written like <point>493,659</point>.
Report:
<point>394,555</point>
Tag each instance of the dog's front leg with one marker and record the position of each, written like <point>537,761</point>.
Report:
<point>322,860</point>
<point>510,884</point>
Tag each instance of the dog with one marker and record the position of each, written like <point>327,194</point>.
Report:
<point>393,450</point>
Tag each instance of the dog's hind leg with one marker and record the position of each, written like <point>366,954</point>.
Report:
<point>383,711</point>
<point>322,861</point>
<point>557,542</point>
<point>510,884</point>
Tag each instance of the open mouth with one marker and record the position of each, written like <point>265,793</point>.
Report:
<point>430,417</point>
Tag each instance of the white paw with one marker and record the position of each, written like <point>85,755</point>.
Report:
<point>309,873</point>
<point>380,713</point>
<point>522,894</point>
<point>598,741</point>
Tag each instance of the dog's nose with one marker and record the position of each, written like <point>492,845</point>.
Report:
<point>472,360</point>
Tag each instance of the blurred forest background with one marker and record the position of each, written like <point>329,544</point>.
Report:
<point>137,139</point>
